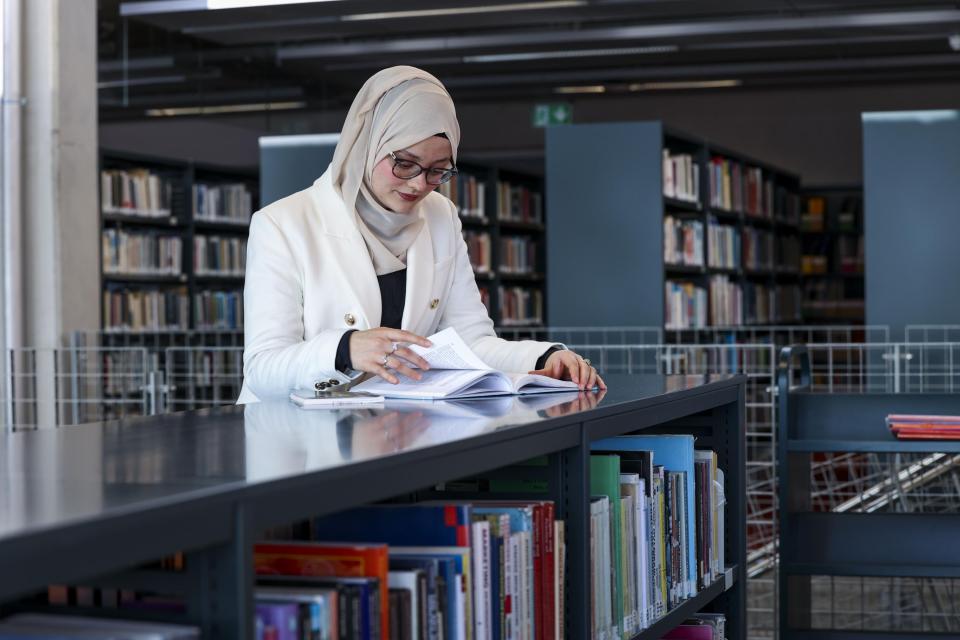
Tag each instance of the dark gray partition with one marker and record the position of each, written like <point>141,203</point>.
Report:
<point>291,163</point>
<point>911,164</point>
<point>604,195</point>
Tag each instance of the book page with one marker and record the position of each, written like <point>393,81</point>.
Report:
<point>449,351</point>
<point>535,383</point>
<point>436,383</point>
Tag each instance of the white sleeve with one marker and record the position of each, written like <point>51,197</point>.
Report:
<point>465,312</point>
<point>276,358</point>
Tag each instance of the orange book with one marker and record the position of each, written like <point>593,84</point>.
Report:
<point>328,559</point>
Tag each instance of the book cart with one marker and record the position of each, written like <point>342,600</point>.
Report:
<point>110,496</point>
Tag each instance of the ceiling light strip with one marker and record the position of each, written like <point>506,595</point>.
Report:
<point>227,108</point>
<point>153,7</point>
<point>686,84</point>
<point>460,11</point>
<point>574,53</point>
<point>593,88</point>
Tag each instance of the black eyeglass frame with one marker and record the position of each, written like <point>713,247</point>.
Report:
<point>445,177</point>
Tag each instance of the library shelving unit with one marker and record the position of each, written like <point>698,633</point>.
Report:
<point>503,223</point>
<point>208,483</point>
<point>832,266</point>
<point>676,232</point>
<point>873,540</point>
<point>173,246</point>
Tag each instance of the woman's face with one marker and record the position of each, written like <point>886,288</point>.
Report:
<point>402,195</point>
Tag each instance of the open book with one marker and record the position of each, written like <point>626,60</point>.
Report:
<point>457,372</point>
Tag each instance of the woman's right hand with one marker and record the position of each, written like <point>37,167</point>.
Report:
<point>368,348</point>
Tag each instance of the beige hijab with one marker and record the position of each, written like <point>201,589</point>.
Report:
<point>396,108</point>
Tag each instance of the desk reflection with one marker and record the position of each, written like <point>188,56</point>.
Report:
<point>283,440</point>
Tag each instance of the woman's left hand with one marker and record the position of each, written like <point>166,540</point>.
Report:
<point>567,365</point>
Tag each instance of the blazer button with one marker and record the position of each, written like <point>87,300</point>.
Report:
<point>349,319</point>
<point>434,303</point>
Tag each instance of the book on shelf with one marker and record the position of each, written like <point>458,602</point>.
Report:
<point>232,203</point>
<point>456,372</point>
<point>520,306</point>
<point>924,427</point>
<point>685,305</point>
<point>517,203</point>
<point>726,302</point>
<point>518,255</point>
<point>479,250</point>
<point>726,186</point>
<point>297,612</point>
<point>468,193</point>
<point>136,192</point>
<point>485,568</point>
<point>662,540</point>
<point>335,560</point>
<point>219,256</point>
<point>681,177</point>
<point>218,310</point>
<point>757,249</point>
<point>155,309</point>
<point>682,241</point>
<point>141,253</point>
<point>723,245</point>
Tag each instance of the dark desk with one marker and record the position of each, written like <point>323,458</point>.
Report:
<point>79,503</point>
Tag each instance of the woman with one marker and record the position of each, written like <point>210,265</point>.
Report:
<point>342,276</point>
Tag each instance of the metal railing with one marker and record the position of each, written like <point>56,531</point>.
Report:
<point>56,387</point>
<point>201,377</point>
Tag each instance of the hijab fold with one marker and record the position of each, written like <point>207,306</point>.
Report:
<point>395,109</point>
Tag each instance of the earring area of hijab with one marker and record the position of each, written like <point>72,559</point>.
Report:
<point>407,169</point>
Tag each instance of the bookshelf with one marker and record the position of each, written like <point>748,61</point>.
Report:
<point>832,264</point>
<point>173,246</point>
<point>219,478</point>
<point>678,232</point>
<point>909,543</point>
<point>503,224</point>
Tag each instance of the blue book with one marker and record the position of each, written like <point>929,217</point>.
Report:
<point>675,453</point>
<point>445,525</point>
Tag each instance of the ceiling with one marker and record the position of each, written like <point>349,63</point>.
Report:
<point>317,54</point>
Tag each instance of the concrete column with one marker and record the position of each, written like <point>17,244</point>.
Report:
<point>60,173</point>
<point>59,177</point>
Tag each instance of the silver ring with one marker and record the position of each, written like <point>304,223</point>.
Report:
<point>386,356</point>
<point>395,345</point>
<point>587,360</point>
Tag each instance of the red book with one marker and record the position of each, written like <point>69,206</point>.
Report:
<point>328,559</point>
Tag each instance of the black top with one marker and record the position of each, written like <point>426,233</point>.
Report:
<point>393,295</point>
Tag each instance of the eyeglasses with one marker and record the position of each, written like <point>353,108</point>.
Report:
<point>406,169</point>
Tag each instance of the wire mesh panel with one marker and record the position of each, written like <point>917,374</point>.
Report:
<point>55,387</point>
<point>932,367</point>
<point>585,335</point>
<point>932,333</point>
<point>199,377</point>
<point>884,604</point>
<point>781,334</point>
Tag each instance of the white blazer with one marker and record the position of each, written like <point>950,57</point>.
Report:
<point>309,279</point>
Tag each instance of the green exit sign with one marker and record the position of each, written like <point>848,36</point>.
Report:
<point>547,114</point>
